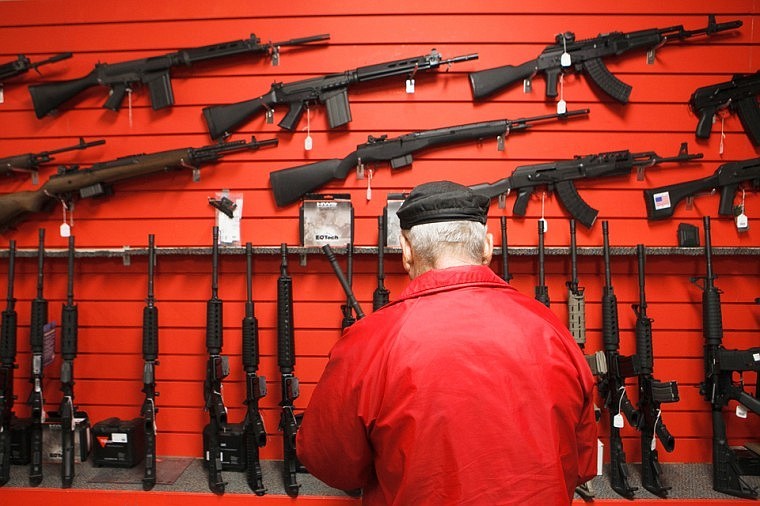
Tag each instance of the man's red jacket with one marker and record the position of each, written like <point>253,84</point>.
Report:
<point>463,391</point>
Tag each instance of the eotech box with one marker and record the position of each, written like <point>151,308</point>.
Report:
<point>118,443</point>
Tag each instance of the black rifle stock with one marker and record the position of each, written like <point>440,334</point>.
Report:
<point>289,185</point>
<point>719,387</point>
<point>7,367</point>
<point>587,56</point>
<point>150,358</point>
<point>559,176</point>
<point>661,202</point>
<point>381,295</point>
<point>154,72</point>
<point>36,340</point>
<point>542,291</point>
<point>69,334</point>
<point>286,360</point>
<point>739,95</point>
<point>217,368</point>
<point>30,162</point>
<point>256,386</point>
<point>345,283</point>
<point>330,89</point>
<point>23,64</point>
<point>71,182</point>
<point>505,275</point>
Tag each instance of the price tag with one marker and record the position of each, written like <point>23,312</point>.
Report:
<point>410,86</point>
<point>617,421</point>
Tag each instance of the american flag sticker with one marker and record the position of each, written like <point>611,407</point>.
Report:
<point>661,200</point>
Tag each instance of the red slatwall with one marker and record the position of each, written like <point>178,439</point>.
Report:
<point>110,295</point>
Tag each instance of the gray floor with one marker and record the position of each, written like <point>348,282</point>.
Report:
<point>188,475</point>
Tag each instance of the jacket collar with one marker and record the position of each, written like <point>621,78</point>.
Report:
<point>437,280</point>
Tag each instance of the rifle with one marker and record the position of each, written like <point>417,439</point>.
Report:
<point>612,384</point>
<point>347,308</point>
<point>153,72</point>
<point>71,182</point>
<point>7,366</point>
<point>286,360</point>
<point>30,162</point>
<point>542,291</point>
<point>652,393</point>
<point>291,184</point>
<point>23,65</point>
<point>345,283</point>
<point>256,386</point>
<point>559,176</point>
<point>217,368</point>
<point>505,275</point>
<point>739,95</point>
<point>36,340</point>
<point>150,358</point>
<point>661,202</point>
<point>69,331</point>
<point>381,295</point>
<point>719,387</point>
<point>568,55</point>
<point>330,89</point>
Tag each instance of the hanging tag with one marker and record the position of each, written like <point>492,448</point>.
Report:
<point>561,107</point>
<point>369,185</point>
<point>544,224</point>
<point>196,174</point>
<point>565,59</point>
<point>307,143</point>
<point>410,86</point>
<point>269,116</point>
<point>722,135</point>
<point>500,143</point>
<point>742,222</point>
<point>275,56</point>
<point>653,444</point>
<point>650,57</point>
<point>527,85</point>
<point>617,421</point>
<point>741,411</point>
<point>65,230</point>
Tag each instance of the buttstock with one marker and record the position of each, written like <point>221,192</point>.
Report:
<point>48,97</point>
<point>488,82</point>
<point>15,206</point>
<point>222,119</point>
<point>289,185</point>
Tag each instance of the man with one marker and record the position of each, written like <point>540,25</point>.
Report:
<point>462,391</point>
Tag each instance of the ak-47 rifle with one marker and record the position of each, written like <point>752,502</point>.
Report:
<point>559,176</point>
<point>150,359</point>
<point>289,185</point>
<point>381,295</point>
<point>568,55</point>
<point>7,366</point>
<point>345,283</point>
<point>505,275</point>
<point>23,64</point>
<point>154,72</point>
<point>36,340</point>
<point>256,386</point>
<point>69,334</point>
<point>30,162</point>
<point>330,89</point>
<point>737,95</point>
<point>542,291</point>
<point>72,182</point>
<point>719,388</point>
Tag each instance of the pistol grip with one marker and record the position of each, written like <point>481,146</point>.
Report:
<point>704,126</point>
<point>116,97</point>
<point>291,119</point>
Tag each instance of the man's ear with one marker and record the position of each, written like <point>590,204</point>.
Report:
<point>488,249</point>
<point>407,257</point>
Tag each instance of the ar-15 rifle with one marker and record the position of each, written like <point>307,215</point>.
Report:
<point>345,283</point>
<point>36,340</point>
<point>568,55</point>
<point>381,295</point>
<point>150,358</point>
<point>256,386</point>
<point>505,275</point>
<point>72,182</point>
<point>30,162</point>
<point>718,387</point>
<point>542,291</point>
<point>559,177</point>
<point>330,89</point>
<point>347,308</point>
<point>23,65</point>
<point>69,334</point>
<point>7,366</point>
<point>291,184</point>
<point>662,201</point>
<point>738,95</point>
<point>153,72</point>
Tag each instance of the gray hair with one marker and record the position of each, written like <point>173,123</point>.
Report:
<point>431,241</point>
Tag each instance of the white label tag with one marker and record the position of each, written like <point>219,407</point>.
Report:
<point>742,223</point>
<point>756,357</point>
<point>65,230</point>
<point>565,60</point>
<point>119,437</point>
<point>410,85</point>
<point>307,143</point>
<point>741,411</point>
<point>617,421</point>
<point>544,224</point>
<point>561,107</point>
<point>661,200</point>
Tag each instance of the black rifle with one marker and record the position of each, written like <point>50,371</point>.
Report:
<point>347,308</point>
<point>150,359</point>
<point>739,95</point>
<point>661,202</point>
<point>559,177</point>
<point>36,340</point>
<point>71,182</point>
<point>7,367</point>
<point>345,283</point>
<point>291,184</point>
<point>256,386</point>
<point>153,72</point>
<point>542,291</point>
<point>217,368</point>
<point>586,55</point>
<point>286,360</point>
<point>330,89</point>
<point>69,331</point>
<point>719,388</point>
<point>652,393</point>
<point>612,385</point>
<point>30,162</point>
<point>381,295</point>
<point>505,275</point>
<point>23,65</point>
